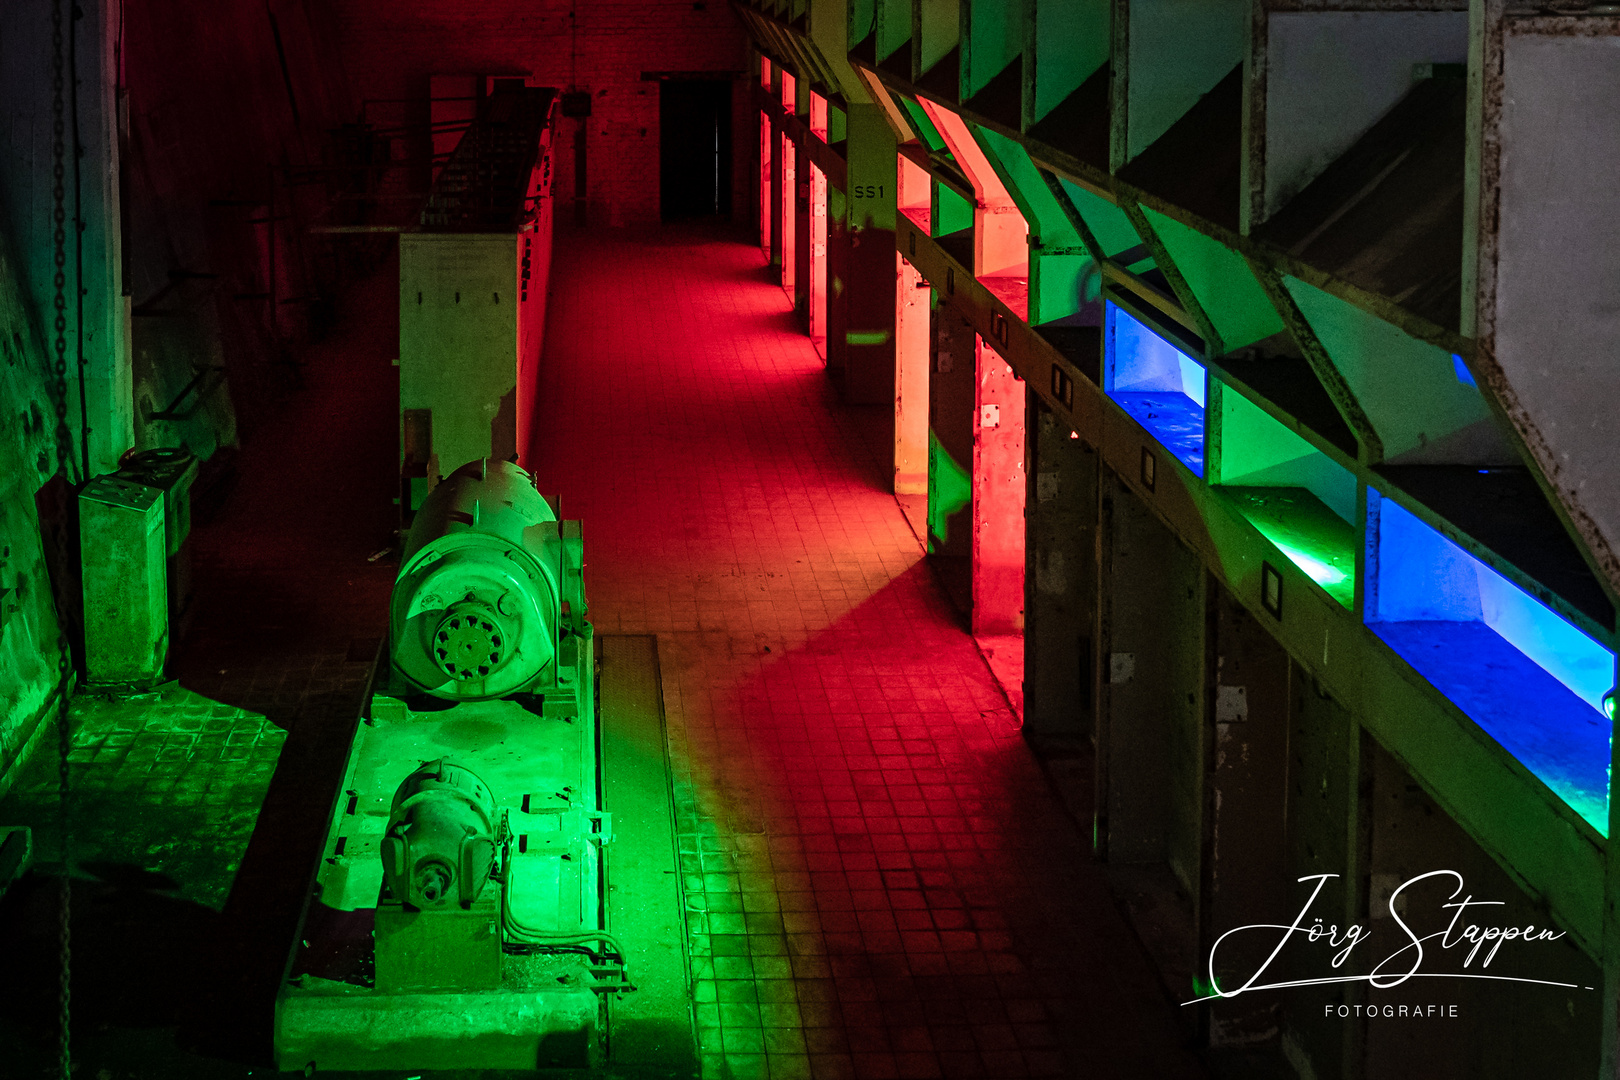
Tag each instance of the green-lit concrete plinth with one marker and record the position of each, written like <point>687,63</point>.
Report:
<point>335,1026</point>
<point>585,794</point>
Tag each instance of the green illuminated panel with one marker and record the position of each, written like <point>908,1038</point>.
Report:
<point>924,125</point>
<point>950,488</point>
<point>954,214</point>
<point>1221,280</point>
<point>1300,499</point>
<point>1311,536</point>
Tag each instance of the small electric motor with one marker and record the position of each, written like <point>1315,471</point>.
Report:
<point>440,844</point>
<point>483,594</point>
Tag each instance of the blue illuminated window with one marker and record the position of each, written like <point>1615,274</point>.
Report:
<point>1530,679</point>
<point>1161,387</point>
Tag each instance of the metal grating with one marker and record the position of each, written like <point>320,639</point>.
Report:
<point>485,183</point>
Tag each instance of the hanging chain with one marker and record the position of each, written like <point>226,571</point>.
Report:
<point>64,928</point>
<point>64,458</point>
<point>64,438</point>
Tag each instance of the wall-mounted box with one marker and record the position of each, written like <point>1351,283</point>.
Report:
<point>173,472</point>
<point>1529,679</point>
<point>1159,385</point>
<point>123,552</point>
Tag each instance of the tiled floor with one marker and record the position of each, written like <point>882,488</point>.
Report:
<point>141,766</point>
<point>879,880</point>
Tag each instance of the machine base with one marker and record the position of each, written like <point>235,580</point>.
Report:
<point>547,1010</point>
<point>454,950</point>
<point>341,1027</point>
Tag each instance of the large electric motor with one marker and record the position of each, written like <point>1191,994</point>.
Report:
<point>440,843</point>
<point>478,607</point>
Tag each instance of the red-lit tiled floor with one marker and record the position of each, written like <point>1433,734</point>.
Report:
<point>880,882</point>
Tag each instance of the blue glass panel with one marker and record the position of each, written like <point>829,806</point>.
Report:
<point>1161,387</point>
<point>1530,679</point>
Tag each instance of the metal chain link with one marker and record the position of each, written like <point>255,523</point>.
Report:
<point>64,457</point>
<point>64,438</point>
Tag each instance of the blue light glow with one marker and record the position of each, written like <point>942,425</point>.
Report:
<point>1422,575</point>
<point>1160,386</point>
<point>1530,679</point>
<point>1464,376</point>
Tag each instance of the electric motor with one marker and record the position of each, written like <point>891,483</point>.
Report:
<point>476,609</point>
<point>440,844</point>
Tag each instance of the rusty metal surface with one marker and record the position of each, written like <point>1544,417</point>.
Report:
<point>1387,216</point>
<point>1366,5</point>
<point>1542,196</point>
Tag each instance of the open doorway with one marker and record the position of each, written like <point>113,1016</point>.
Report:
<point>694,148</point>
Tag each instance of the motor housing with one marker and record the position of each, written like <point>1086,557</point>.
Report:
<point>440,845</point>
<point>479,602</point>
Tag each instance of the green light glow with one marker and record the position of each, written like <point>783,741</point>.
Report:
<point>1304,531</point>
<point>950,488</point>
<point>1318,566</point>
<point>1318,571</point>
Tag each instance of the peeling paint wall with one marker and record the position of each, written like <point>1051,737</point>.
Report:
<point>30,677</point>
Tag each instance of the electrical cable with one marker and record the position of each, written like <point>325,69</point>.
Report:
<point>516,932</point>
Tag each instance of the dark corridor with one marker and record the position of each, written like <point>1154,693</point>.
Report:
<point>694,151</point>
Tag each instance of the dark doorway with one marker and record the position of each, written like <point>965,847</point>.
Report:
<point>694,148</point>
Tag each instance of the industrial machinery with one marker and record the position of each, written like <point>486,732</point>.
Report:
<point>472,293</point>
<point>468,910</point>
<point>484,598</point>
<point>460,911</point>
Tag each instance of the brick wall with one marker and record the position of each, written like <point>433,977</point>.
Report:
<point>230,108</point>
<point>391,47</point>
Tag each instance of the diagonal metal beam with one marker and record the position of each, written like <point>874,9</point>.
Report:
<point>1333,381</point>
